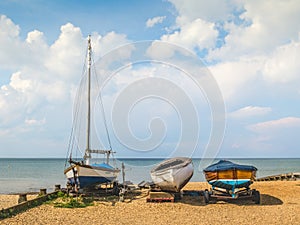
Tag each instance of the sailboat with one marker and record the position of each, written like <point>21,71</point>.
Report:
<point>85,174</point>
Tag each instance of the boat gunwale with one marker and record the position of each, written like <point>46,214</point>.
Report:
<point>92,167</point>
<point>184,162</point>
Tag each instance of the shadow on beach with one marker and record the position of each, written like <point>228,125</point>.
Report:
<point>192,200</point>
<point>270,200</point>
<point>265,200</point>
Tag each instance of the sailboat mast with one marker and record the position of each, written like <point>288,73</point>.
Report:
<point>87,151</point>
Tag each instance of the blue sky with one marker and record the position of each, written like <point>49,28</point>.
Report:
<point>90,16</point>
<point>251,50</point>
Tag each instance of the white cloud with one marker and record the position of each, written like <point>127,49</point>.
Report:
<point>273,26</point>
<point>34,122</point>
<point>159,51</point>
<point>8,28</point>
<point>251,45</point>
<point>197,33</point>
<point>258,76</point>
<point>271,138</point>
<point>20,84</point>
<point>104,44</point>
<point>250,111</point>
<point>275,137</point>
<point>155,20</point>
<point>12,106</point>
<point>237,78</point>
<point>36,37</point>
<point>263,29</point>
<point>41,88</point>
<point>283,64</point>
<point>64,56</point>
<point>196,23</point>
<point>10,46</point>
<point>276,125</point>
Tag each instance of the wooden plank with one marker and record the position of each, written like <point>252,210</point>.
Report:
<point>160,194</point>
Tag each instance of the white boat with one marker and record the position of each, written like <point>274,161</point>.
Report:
<point>82,174</point>
<point>173,174</point>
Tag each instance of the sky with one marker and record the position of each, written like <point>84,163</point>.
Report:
<point>250,50</point>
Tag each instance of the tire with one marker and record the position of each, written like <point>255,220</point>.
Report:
<point>116,189</point>
<point>206,196</point>
<point>256,197</point>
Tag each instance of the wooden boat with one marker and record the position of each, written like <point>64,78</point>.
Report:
<point>230,176</point>
<point>173,174</point>
<point>230,180</point>
<point>82,174</point>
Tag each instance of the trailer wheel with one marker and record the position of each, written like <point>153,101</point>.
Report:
<point>116,189</point>
<point>206,196</point>
<point>256,196</point>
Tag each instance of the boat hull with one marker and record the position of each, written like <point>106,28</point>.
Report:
<point>231,184</point>
<point>237,176</point>
<point>86,176</point>
<point>173,179</point>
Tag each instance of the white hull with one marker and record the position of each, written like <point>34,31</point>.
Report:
<point>85,176</point>
<point>173,179</point>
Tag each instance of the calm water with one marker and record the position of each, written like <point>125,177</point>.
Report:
<point>29,175</point>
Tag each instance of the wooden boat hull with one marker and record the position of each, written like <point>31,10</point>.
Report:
<point>231,178</point>
<point>175,178</point>
<point>86,176</point>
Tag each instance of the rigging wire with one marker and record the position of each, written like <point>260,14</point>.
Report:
<point>75,124</point>
<point>103,114</point>
<point>102,107</point>
<point>79,111</point>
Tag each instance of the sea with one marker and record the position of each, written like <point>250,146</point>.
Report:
<point>30,175</point>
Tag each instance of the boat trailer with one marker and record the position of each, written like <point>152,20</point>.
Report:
<point>216,194</point>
